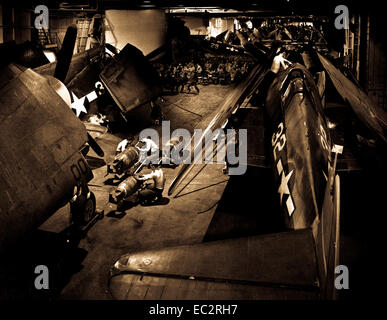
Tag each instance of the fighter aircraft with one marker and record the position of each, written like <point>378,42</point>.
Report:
<point>43,137</point>
<point>42,142</point>
<point>308,193</point>
<point>297,264</point>
<point>127,75</point>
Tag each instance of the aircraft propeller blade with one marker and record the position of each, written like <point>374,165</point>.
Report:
<point>94,145</point>
<point>111,48</point>
<point>65,54</point>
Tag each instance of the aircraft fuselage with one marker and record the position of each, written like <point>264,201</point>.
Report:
<point>300,145</point>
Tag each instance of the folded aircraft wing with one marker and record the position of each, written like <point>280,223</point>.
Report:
<point>40,139</point>
<point>372,115</point>
<point>237,98</point>
<point>130,79</point>
<point>273,266</point>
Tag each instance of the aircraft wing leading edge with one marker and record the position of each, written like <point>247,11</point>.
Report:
<point>230,105</point>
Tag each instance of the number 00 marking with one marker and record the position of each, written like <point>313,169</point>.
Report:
<point>75,171</point>
<point>78,170</point>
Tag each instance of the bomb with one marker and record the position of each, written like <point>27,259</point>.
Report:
<point>125,189</point>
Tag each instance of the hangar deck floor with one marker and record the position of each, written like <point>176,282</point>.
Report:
<point>213,206</point>
<point>178,222</point>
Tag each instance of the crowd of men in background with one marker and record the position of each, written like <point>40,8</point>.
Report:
<point>185,76</point>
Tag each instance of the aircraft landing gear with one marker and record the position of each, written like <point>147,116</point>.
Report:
<point>83,216</point>
<point>83,209</point>
<point>89,209</point>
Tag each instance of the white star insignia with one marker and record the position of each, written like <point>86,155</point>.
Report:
<point>283,188</point>
<point>78,105</point>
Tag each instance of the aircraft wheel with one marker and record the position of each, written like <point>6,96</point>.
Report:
<point>83,210</point>
<point>89,208</point>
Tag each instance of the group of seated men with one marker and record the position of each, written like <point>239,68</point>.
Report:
<point>183,76</point>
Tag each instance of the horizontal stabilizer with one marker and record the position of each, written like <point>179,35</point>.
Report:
<point>281,264</point>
